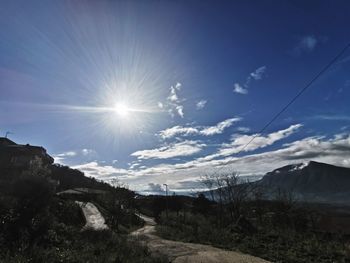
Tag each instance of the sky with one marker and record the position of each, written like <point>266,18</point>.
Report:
<point>165,92</point>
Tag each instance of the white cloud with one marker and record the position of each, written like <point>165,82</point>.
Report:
<point>239,89</point>
<point>239,143</point>
<point>255,75</point>
<point>178,130</point>
<point>259,141</point>
<point>83,153</point>
<point>258,73</point>
<point>172,150</point>
<point>62,156</point>
<point>198,130</point>
<point>201,104</point>
<point>219,128</point>
<point>173,104</point>
<point>334,151</point>
<point>173,96</point>
<point>96,170</point>
<point>180,110</point>
<point>178,86</point>
<point>334,117</point>
<point>243,129</point>
<point>87,151</point>
<point>67,154</point>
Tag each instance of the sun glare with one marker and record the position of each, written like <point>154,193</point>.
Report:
<point>121,109</point>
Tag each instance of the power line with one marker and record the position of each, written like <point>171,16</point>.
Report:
<point>321,72</point>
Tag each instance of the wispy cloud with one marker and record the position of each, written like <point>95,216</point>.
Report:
<point>198,130</point>
<point>333,117</point>
<point>237,88</point>
<point>260,141</point>
<point>307,44</point>
<point>173,104</point>
<point>62,156</point>
<point>335,150</point>
<point>85,153</point>
<point>178,130</point>
<point>172,150</point>
<point>258,73</point>
<point>100,171</point>
<point>243,129</point>
<point>255,75</point>
<point>201,104</point>
<point>239,143</point>
<point>219,128</point>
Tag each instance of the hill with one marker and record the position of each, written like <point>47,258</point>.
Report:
<point>312,182</point>
<point>40,220</point>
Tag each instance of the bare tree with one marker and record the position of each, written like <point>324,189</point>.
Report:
<point>229,191</point>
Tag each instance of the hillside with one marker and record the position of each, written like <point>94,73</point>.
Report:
<point>40,220</point>
<point>313,181</point>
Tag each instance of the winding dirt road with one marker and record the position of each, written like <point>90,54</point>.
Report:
<point>180,252</point>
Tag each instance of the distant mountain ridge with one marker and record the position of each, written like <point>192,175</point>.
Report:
<point>312,181</point>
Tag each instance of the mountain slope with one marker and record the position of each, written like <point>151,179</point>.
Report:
<point>312,181</point>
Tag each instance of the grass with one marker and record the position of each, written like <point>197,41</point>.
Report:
<point>273,244</point>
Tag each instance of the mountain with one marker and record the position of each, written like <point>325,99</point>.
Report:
<point>313,182</point>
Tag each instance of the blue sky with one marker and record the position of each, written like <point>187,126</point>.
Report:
<point>153,92</point>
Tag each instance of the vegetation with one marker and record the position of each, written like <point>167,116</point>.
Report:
<point>37,226</point>
<point>279,230</point>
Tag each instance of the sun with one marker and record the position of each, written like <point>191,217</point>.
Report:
<point>121,109</point>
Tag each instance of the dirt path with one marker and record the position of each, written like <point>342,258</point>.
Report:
<point>93,217</point>
<point>180,252</point>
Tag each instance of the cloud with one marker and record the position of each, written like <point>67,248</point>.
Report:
<point>178,130</point>
<point>180,110</point>
<point>219,128</point>
<point>243,129</point>
<point>308,44</point>
<point>237,88</point>
<point>260,141</point>
<point>334,117</point>
<point>96,170</point>
<point>62,156</point>
<point>67,154</point>
<point>255,75</point>
<point>335,151</point>
<point>172,150</point>
<point>155,188</point>
<point>173,104</point>
<point>246,143</point>
<point>181,176</point>
<point>258,73</point>
<point>198,130</point>
<point>201,104</point>
<point>86,152</point>
<point>67,157</point>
